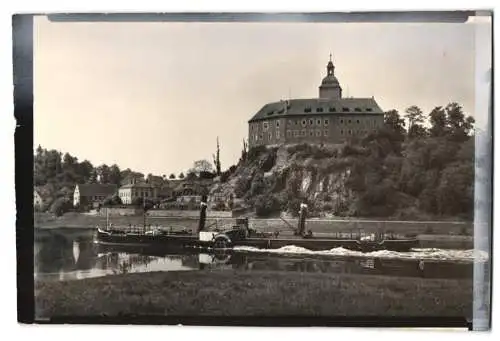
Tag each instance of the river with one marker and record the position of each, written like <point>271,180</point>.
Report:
<point>65,254</point>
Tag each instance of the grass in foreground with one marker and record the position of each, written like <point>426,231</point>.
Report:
<point>226,293</point>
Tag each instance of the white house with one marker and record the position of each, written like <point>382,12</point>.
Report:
<point>37,199</point>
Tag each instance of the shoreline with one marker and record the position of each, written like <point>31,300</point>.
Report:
<point>81,220</point>
<point>240,293</point>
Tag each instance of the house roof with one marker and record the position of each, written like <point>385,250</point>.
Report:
<point>137,185</point>
<point>97,189</point>
<point>310,106</point>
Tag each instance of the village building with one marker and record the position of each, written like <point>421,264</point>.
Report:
<point>133,190</point>
<point>91,194</point>
<point>37,199</point>
<point>328,119</point>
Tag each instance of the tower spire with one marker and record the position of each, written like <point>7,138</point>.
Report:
<point>330,56</point>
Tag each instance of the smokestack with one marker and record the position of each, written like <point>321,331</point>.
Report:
<point>203,213</point>
<point>302,219</point>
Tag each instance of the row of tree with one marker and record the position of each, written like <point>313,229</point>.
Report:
<point>415,165</point>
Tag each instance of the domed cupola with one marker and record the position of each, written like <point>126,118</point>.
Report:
<point>330,87</point>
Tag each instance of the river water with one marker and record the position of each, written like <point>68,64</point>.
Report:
<point>72,255</point>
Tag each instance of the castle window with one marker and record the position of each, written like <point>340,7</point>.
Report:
<point>345,109</point>
<point>341,121</point>
<point>303,132</point>
<point>350,132</point>
<point>357,121</point>
<point>308,109</point>
<point>369,109</point>
<point>303,123</point>
<point>311,133</point>
<point>341,132</point>
<point>357,109</point>
<point>326,122</point>
<point>319,109</point>
<point>290,122</point>
<point>311,122</point>
<point>325,132</point>
<point>256,137</point>
<point>332,109</point>
<point>265,125</point>
<point>349,121</point>
<point>296,122</point>
<point>278,124</point>
<point>318,122</point>
<point>295,133</point>
<point>270,136</point>
<point>261,137</point>
<point>318,132</point>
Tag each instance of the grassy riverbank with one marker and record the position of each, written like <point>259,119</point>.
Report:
<point>229,293</point>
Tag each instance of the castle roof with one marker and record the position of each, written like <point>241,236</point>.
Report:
<point>318,106</point>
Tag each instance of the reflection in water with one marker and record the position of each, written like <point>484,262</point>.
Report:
<point>62,256</point>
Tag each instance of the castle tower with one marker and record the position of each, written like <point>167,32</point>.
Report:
<point>330,87</point>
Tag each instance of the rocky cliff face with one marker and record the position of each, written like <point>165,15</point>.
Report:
<point>276,180</point>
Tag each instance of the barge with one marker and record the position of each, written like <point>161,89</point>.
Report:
<point>241,235</point>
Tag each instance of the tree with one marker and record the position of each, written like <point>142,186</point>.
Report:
<point>216,157</point>
<point>438,121</point>
<point>244,151</point>
<point>395,123</point>
<point>460,127</point>
<point>455,194</point>
<point>60,206</point>
<point>265,205</point>
<point>93,177</point>
<point>84,171</point>
<point>115,175</point>
<point>181,176</point>
<point>103,173</point>
<point>415,118</point>
<point>201,166</point>
<point>172,176</point>
<point>191,175</point>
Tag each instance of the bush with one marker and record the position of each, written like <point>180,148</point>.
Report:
<point>257,185</point>
<point>269,162</point>
<point>112,200</point>
<point>219,206</point>
<point>60,206</point>
<point>206,175</point>
<point>266,205</point>
<point>255,152</point>
<point>242,186</point>
<point>224,176</point>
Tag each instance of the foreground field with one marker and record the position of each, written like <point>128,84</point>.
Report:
<point>235,293</point>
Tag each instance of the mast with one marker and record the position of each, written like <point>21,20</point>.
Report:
<point>203,214</point>
<point>107,219</point>
<point>144,213</point>
<point>302,219</point>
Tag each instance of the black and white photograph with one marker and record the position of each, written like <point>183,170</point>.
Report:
<point>322,167</point>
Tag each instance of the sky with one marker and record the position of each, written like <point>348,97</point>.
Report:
<point>154,97</point>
